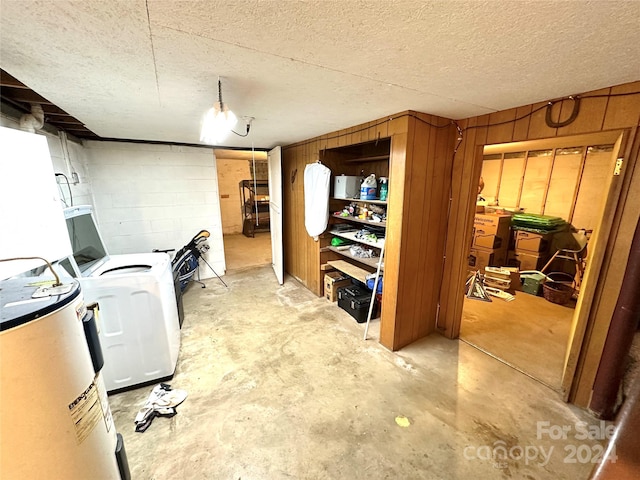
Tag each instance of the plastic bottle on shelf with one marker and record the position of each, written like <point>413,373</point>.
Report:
<point>368,188</point>
<point>384,188</point>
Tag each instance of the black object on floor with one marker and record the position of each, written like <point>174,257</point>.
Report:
<point>355,301</point>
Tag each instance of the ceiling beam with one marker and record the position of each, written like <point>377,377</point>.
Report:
<point>7,80</point>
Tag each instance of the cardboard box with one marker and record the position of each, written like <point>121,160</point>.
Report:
<point>484,257</point>
<point>490,242</point>
<point>491,231</point>
<point>532,242</point>
<point>530,261</point>
<point>332,282</point>
<point>512,260</point>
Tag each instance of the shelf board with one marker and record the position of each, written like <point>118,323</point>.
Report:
<point>358,200</point>
<point>350,269</point>
<point>359,220</point>
<point>375,158</point>
<point>351,235</point>
<point>370,262</point>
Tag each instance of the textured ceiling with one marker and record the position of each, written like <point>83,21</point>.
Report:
<point>147,70</point>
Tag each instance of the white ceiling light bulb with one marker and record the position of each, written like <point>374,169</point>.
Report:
<point>218,121</point>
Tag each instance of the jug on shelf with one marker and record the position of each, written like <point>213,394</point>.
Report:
<point>368,188</point>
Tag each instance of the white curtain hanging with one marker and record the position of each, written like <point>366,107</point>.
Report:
<point>317,178</point>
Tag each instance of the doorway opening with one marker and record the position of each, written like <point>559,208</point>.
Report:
<point>244,207</point>
<point>540,204</point>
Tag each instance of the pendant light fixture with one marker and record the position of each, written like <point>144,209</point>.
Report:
<point>218,121</point>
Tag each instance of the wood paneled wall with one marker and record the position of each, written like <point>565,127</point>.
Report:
<point>425,172</point>
<point>419,178</point>
<point>418,256</point>
<point>596,115</point>
<point>301,252</point>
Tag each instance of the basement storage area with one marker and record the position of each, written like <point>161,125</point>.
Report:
<point>539,205</point>
<point>418,169</point>
<point>244,205</point>
<point>354,240</point>
<point>434,170</point>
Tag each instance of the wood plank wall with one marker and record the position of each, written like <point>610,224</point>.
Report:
<point>419,175</point>
<point>301,252</point>
<point>425,199</point>
<point>597,114</point>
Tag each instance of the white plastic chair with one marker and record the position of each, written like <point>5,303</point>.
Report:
<point>570,246</point>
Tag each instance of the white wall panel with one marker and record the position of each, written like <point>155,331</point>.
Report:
<point>156,196</point>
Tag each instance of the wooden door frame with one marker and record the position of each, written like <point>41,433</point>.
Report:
<point>582,318</point>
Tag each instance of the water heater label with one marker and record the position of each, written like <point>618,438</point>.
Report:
<point>104,401</point>
<point>86,412</point>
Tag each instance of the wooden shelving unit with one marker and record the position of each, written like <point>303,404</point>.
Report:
<point>370,262</point>
<point>358,200</point>
<point>350,269</point>
<point>359,220</point>
<point>373,158</point>
<point>254,205</point>
<point>351,235</point>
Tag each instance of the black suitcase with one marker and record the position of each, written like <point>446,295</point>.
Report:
<point>355,301</point>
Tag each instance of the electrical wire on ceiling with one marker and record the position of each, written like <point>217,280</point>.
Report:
<point>248,120</point>
<point>547,105</point>
<point>550,105</point>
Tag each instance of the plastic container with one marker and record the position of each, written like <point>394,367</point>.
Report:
<point>368,189</point>
<point>384,188</point>
<point>355,301</point>
<point>346,186</point>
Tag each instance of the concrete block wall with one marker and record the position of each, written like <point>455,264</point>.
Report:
<point>68,157</point>
<point>150,196</point>
<point>230,173</point>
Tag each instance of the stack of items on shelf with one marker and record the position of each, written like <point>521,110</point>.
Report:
<point>360,251</point>
<point>364,211</point>
<point>369,234</point>
<point>533,238</point>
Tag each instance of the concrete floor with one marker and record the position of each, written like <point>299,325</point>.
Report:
<point>282,386</point>
<point>529,333</point>
<point>242,252</point>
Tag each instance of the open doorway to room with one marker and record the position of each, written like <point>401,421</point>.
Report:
<point>244,206</point>
<point>539,205</point>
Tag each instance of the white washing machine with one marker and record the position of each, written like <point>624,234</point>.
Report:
<point>138,316</point>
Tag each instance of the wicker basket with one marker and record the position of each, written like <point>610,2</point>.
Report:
<point>556,292</point>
